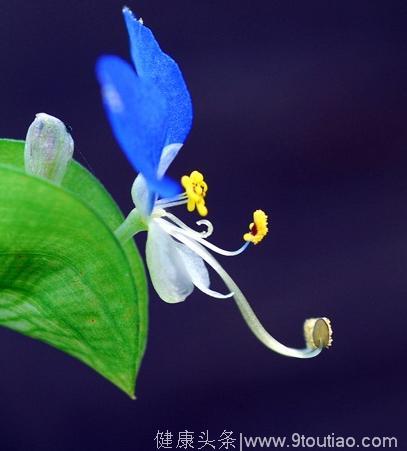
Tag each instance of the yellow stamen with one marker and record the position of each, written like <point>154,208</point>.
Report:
<point>195,189</point>
<point>258,228</point>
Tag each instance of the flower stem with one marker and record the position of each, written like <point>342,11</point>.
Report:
<point>130,227</point>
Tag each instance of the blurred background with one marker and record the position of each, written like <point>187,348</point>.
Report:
<point>300,109</point>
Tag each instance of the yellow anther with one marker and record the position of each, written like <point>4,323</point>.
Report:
<point>258,228</point>
<point>318,333</point>
<point>195,189</point>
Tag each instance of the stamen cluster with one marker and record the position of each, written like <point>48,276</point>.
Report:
<point>196,189</point>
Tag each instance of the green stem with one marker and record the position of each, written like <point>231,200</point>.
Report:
<point>130,227</point>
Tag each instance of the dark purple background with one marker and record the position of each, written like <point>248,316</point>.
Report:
<point>300,109</point>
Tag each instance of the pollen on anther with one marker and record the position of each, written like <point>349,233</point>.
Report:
<point>258,229</point>
<point>195,189</point>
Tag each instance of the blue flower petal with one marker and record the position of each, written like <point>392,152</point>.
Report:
<point>154,65</point>
<point>138,115</point>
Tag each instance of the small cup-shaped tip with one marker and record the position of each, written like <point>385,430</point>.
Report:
<point>48,148</point>
<point>318,333</point>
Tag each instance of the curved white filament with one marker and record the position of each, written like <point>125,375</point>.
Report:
<point>196,269</point>
<point>171,204</point>
<point>182,225</point>
<point>197,236</point>
<point>171,199</point>
<point>247,312</point>
<point>209,227</point>
<point>214,294</point>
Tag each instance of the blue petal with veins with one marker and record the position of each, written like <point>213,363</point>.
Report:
<point>138,114</point>
<point>154,65</point>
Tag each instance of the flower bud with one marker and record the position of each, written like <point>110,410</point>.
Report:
<point>48,148</point>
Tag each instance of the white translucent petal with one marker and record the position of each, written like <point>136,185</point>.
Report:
<point>198,272</point>
<point>167,156</point>
<point>167,269</point>
<point>140,195</point>
<point>194,265</point>
<point>140,192</point>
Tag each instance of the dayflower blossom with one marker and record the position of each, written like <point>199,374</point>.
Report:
<point>150,111</point>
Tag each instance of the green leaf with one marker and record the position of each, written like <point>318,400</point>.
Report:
<point>64,277</point>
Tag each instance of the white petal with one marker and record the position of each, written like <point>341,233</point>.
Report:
<point>167,156</point>
<point>140,192</point>
<point>167,270</point>
<point>140,195</point>
<point>198,272</point>
<point>194,265</point>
